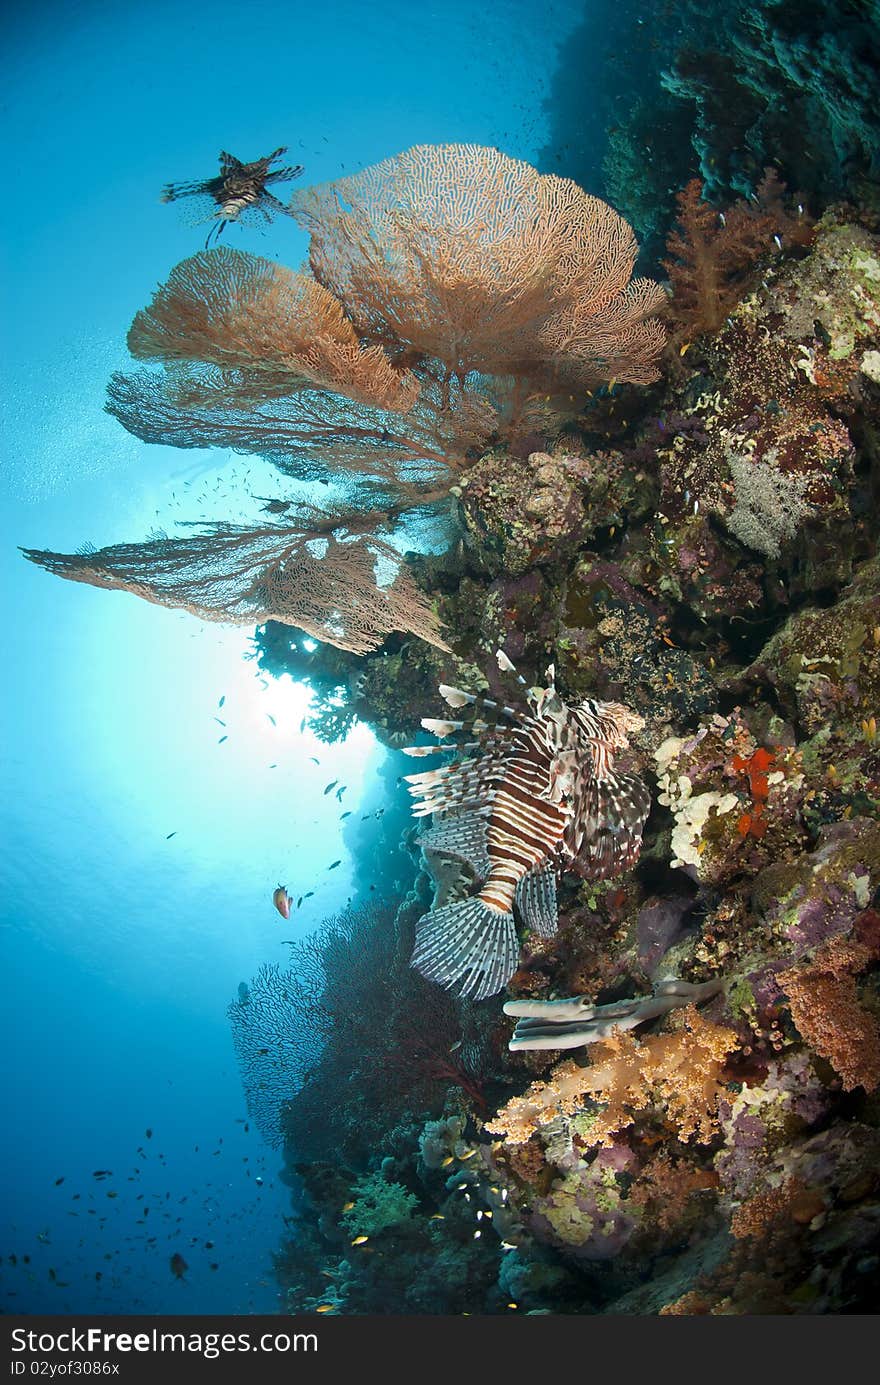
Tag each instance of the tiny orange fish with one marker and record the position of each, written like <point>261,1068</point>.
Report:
<point>282,901</point>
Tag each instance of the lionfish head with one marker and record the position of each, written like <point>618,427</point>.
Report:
<point>610,721</point>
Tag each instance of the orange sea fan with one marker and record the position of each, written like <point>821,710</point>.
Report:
<point>460,253</point>
<point>325,583</point>
<point>237,311</point>
<point>458,299</point>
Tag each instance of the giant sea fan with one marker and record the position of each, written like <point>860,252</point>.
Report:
<point>455,298</point>
<point>325,583</point>
<point>452,290</point>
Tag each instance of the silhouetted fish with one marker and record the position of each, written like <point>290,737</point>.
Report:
<point>239,191</point>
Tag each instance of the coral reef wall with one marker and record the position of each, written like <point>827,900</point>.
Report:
<point>705,553</point>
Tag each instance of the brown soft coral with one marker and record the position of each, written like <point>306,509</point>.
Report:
<point>824,1004</point>
<point>680,1071</point>
<point>713,253</point>
<point>668,1188</point>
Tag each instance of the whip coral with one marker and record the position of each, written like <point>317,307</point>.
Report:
<point>680,1072</point>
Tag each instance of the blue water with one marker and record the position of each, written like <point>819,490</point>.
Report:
<point>122,945</point>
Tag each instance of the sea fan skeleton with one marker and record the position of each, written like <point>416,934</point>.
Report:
<point>238,191</point>
<point>538,795</point>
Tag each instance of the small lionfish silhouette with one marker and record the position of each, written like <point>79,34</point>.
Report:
<point>238,190</point>
<point>539,795</point>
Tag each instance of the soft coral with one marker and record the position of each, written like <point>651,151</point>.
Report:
<point>712,253</point>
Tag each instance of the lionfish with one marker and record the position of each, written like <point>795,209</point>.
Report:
<point>238,190</point>
<point>537,795</point>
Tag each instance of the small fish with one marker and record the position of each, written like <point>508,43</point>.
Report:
<point>340,792</point>
<point>222,700</point>
<point>360,1240</point>
<point>348,1206</point>
<point>59,1181</point>
<point>343,816</point>
<point>334,864</point>
<point>222,739</point>
<point>178,1265</point>
<point>282,901</point>
<point>219,722</point>
<point>269,717</point>
<point>170,835</point>
<point>326,1308</point>
<point>331,785</point>
<point>308,894</point>
<point>149,1132</point>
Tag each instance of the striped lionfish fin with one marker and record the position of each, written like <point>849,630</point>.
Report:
<point>468,947</point>
<point>535,901</point>
<point>462,835</point>
<point>614,815</point>
<point>456,787</point>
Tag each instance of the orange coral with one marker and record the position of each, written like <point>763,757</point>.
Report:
<point>457,296</point>
<point>680,1071</point>
<point>246,575</point>
<point>710,258</point>
<point>691,1304</point>
<point>824,1004</point>
<point>792,1201</point>
<point>241,312</point>
<point>666,1188</point>
<point>459,253</point>
<point>712,253</point>
<point>756,767</point>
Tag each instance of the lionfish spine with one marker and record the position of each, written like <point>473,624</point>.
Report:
<point>539,794</point>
